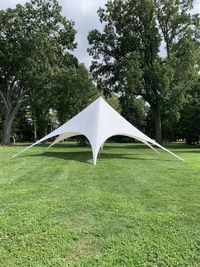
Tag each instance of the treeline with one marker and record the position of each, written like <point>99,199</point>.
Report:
<point>42,84</point>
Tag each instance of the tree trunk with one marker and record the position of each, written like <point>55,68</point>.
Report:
<point>7,126</point>
<point>10,114</point>
<point>168,50</point>
<point>34,131</point>
<point>158,127</point>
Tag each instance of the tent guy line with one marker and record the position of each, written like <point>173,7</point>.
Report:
<point>98,122</point>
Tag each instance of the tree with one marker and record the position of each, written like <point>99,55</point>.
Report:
<point>32,39</point>
<point>189,124</point>
<point>126,55</point>
<point>22,128</point>
<point>114,101</point>
<point>74,90</point>
<point>174,19</point>
<point>134,110</point>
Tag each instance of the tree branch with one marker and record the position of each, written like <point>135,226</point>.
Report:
<point>19,100</point>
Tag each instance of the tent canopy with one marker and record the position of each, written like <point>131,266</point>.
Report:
<point>98,122</point>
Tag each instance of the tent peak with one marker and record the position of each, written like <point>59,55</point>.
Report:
<point>100,98</point>
<point>100,102</point>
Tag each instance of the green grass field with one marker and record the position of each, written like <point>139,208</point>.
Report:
<point>134,208</point>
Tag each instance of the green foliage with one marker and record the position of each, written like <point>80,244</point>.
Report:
<point>134,110</point>
<point>174,19</point>
<point>129,33</point>
<point>73,90</point>
<point>33,37</point>
<point>189,124</point>
<point>22,128</point>
<point>126,54</point>
<point>134,208</point>
<point>36,69</point>
<point>114,101</point>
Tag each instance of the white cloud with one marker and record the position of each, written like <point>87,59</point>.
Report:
<point>196,8</point>
<point>84,13</point>
<point>10,3</point>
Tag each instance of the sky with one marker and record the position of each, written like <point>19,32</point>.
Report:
<point>84,14</point>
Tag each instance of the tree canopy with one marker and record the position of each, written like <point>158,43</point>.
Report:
<point>33,37</point>
<point>126,55</point>
<point>37,70</point>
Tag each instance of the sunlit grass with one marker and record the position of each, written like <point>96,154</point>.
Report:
<point>134,208</point>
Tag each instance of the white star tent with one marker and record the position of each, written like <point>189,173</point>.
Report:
<point>98,122</point>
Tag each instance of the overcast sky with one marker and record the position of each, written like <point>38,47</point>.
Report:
<point>84,14</point>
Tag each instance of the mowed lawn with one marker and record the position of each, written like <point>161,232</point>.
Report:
<point>134,208</point>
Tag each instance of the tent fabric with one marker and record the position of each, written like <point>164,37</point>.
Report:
<point>98,122</point>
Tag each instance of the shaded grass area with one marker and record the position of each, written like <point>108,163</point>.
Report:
<point>134,208</point>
